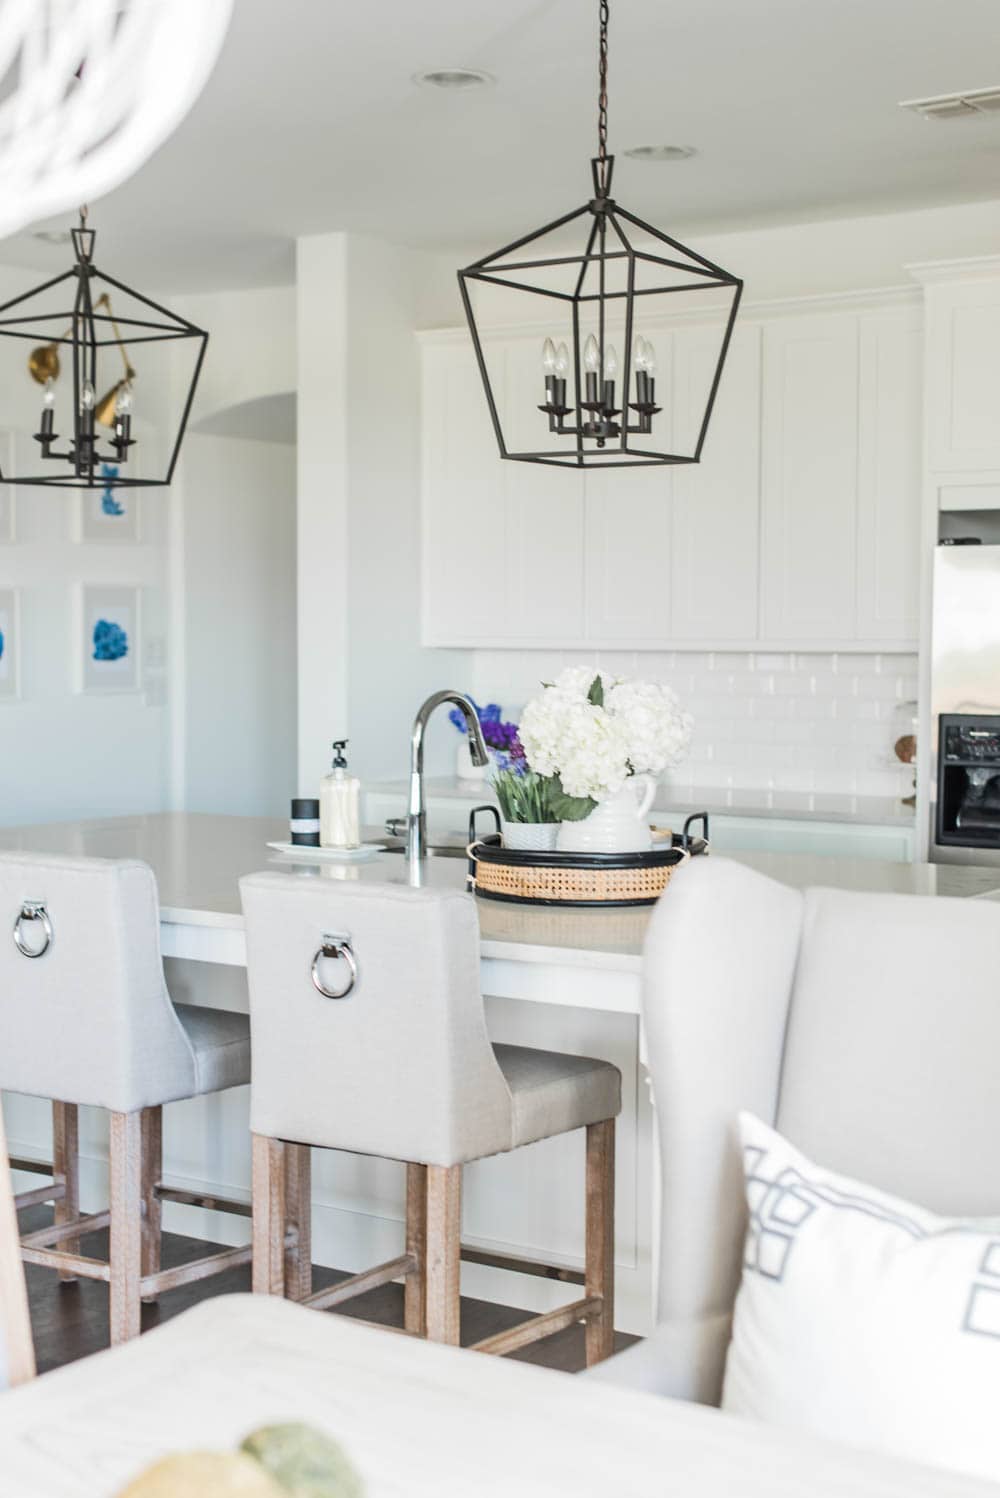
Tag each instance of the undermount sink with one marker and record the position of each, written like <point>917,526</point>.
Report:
<point>433,850</point>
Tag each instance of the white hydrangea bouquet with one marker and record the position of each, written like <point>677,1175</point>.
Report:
<point>590,733</point>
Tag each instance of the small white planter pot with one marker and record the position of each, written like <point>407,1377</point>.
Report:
<point>530,837</point>
<point>617,825</point>
<point>464,768</point>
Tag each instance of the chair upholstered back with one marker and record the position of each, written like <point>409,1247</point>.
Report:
<point>17,1355</point>
<point>864,1026</point>
<point>403,1067</point>
<point>91,1020</point>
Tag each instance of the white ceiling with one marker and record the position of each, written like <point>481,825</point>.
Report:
<point>311,123</point>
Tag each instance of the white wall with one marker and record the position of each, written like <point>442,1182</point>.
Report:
<point>237,504</point>
<point>233,564</point>
<point>362,670</point>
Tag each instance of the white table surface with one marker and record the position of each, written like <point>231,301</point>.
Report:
<point>419,1421</point>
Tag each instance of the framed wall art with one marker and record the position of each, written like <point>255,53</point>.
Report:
<point>10,644</point>
<point>108,514</point>
<point>108,638</point>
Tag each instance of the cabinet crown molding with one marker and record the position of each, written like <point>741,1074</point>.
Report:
<point>972,268</point>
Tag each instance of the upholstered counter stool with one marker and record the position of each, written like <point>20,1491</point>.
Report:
<point>369,1035</point>
<point>85,1018</point>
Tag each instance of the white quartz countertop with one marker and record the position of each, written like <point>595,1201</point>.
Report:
<point>198,861</point>
<point>681,801</point>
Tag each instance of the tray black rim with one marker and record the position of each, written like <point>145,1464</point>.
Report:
<point>653,858</point>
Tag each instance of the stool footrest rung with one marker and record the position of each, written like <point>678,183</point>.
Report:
<point>53,1258</point>
<point>200,1199</point>
<point>491,1260</point>
<point>198,1269</point>
<point>33,1167</point>
<point>59,1232</point>
<point>41,1194</point>
<point>539,1327</point>
<point>357,1284</point>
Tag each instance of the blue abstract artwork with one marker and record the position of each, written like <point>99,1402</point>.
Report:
<point>2,643</point>
<point>109,504</point>
<point>110,641</point>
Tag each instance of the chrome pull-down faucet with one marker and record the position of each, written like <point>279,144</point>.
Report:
<point>416,816</point>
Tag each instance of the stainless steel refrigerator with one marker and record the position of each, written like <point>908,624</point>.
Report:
<point>965,705</point>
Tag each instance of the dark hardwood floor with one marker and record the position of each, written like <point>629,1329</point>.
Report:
<point>70,1321</point>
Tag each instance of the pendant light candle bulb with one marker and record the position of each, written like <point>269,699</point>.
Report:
<point>123,401</point>
<point>549,357</point>
<point>49,398</point>
<point>562,361</point>
<point>650,358</point>
<point>87,396</point>
<point>611,363</point>
<point>591,355</point>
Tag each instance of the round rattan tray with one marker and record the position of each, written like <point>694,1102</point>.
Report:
<point>597,879</point>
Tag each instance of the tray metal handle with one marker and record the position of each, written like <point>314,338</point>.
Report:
<point>696,816</point>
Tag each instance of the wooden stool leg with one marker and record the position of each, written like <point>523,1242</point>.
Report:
<point>126,1225</point>
<point>66,1172</point>
<point>152,1207</point>
<point>415,1284</point>
<point>444,1244</point>
<point>600,1250</point>
<point>269,1198</point>
<point>298,1216</point>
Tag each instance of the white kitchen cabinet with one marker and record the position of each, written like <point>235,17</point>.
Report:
<point>889,475</point>
<point>798,529</point>
<point>963,368</point>
<point>810,478</point>
<point>715,510</point>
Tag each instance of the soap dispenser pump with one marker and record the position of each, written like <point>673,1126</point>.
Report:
<point>340,804</point>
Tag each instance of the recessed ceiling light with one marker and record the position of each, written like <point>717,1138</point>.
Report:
<point>454,78</point>
<point>51,236</point>
<point>660,153</point>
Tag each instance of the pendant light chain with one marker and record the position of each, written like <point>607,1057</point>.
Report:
<point>602,100</point>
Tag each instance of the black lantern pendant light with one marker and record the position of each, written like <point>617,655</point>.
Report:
<point>629,280</point>
<point>104,323</point>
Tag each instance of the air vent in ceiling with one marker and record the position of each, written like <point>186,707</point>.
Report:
<point>962,106</point>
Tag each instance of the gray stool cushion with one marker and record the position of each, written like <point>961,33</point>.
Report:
<point>552,1093</point>
<point>220,1042</point>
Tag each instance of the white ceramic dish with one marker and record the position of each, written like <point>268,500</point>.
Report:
<point>329,855</point>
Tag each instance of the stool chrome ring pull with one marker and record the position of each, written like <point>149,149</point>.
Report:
<point>333,947</point>
<point>32,910</point>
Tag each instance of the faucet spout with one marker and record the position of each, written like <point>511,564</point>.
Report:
<point>416,816</point>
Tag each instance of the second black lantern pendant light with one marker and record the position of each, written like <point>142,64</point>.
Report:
<point>601,407</point>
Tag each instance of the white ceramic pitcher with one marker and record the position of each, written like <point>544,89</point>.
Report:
<point>617,825</point>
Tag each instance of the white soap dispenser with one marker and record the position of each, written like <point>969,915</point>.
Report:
<point>340,804</point>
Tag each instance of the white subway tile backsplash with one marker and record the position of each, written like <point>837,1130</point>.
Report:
<point>813,724</point>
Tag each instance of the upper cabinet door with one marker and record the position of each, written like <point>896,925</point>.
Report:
<point>543,515</point>
<point>963,375</point>
<point>463,518</point>
<point>628,533</point>
<point>716,507</point>
<point>810,478</point>
<point>889,474</point>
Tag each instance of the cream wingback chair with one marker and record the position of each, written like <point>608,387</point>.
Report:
<point>864,1027</point>
<point>369,1035</point>
<point>85,1018</point>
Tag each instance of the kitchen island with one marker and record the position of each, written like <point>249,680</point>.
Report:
<point>558,979</point>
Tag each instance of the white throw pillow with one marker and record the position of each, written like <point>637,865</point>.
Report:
<point>864,1318</point>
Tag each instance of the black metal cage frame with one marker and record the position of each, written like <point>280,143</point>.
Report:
<point>599,441</point>
<point>87,330</point>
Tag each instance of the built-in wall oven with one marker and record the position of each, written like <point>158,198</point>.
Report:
<point>965,705</point>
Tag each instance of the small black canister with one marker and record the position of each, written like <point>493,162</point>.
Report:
<point>304,824</point>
